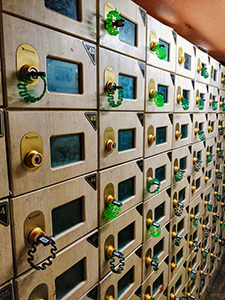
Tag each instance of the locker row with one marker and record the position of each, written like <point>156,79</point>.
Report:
<point>119,26</point>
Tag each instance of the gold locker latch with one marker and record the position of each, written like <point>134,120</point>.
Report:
<point>148,297</point>
<point>111,253</point>
<point>181,58</point>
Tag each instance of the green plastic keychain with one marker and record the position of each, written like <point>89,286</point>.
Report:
<point>218,197</point>
<point>195,222</point>
<point>223,107</point>
<point>209,207</point>
<point>150,183</point>
<point>209,158</point>
<point>177,241</point>
<point>185,103</point>
<point>223,225</point>
<point>214,105</point>
<point>204,73</point>
<point>193,275</point>
<point>205,253</point>
<point>112,211</point>
<point>215,238</point>
<point>201,104</point>
<point>160,51</point>
<point>155,263</point>
<point>201,135</point>
<point>112,15</point>
<point>110,96</point>
<point>179,175</point>
<point>197,165</point>
<point>158,99</point>
<point>155,231</point>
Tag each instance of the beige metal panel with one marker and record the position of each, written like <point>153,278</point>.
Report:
<point>109,285</point>
<point>183,85</point>
<point>211,148</point>
<point>121,65</point>
<point>132,12</point>
<point>180,192</point>
<point>185,47</point>
<point>220,130</point>
<point>6,261</point>
<point>192,286</point>
<point>42,284</point>
<point>179,225</point>
<point>160,78</point>
<point>160,285</point>
<point>110,181</point>
<point>157,209</point>
<point>48,44</point>
<point>214,72</point>
<point>199,152</point>
<point>4,184</point>
<point>196,208</point>
<point>84,27</point>
<point>177,257</point>
<point>194,236</point>
<point>1,95</point>
<point>209,176</point>
<point>179,276</point>
<point>213,95</point>
<point>158,133</point>
<point>42,204</point>
<point>47,125</point>
<point>197,184</point>
<point>165,34</point>
<point>178,121</point>
<point>201,91</point>
<point>182,159</point>
<point>222,78</point>
<point>194,260</point>
<point>202,59</point>
<point>151,166</point>
<point>109,236</point>
<point>199,124</point>
<point>150,250</point>
<point>110,125</point>
<point>212,126</point>
<point>94,292</point>
<point>202,287</point>
<point>135,296</point>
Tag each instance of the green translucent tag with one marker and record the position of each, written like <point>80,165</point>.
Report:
<point>155,231</point>
<point>112,15</point>
<point>215,239</point>
<point>204,254</point>
<point>223,226</point>
<point>185,103</point>
<point>111,101</point>
<point>177,241</point>
<point>201,104</point>
<point>209,207</point>
<point>192,276</point>
<point>218,197</point>
<point>209,158</point>
<point>195,222</point>
<point>214,105</point>
<point>179,175</point>
<point>152,182</point>
<point>197,165</point>
<point>112,211</point>
<point>204,73</point>
<point>158,99</point>
<point>160,51</point>
<point>201,135</point>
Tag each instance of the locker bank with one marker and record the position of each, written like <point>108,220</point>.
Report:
<point>112,140</point>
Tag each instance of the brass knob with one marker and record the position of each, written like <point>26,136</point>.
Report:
<point>110,85</point>
<point>152,93</point>
<point>34,234</point>
<point>191,244</point>
<point>27,69</point>
<point>192,216</point>
<point>153,45</point>
<point>196,130</point>
<point>198,99</point>
<point>148,297</point>
<point>149,222</point>
<point>189,270</point>
<point>219,127</point>
<point>173,266</point>
<point>181,59</point>
<point>110,199</point>
<point>216,170</point>
<point>110,146</point>
<point>178,134</point>
<point>211,101</point>
<point>208,153</point>
<point>175,202</point>
<point>195,159</point>
<point>151,139</point>
<point>33,159</point>
<point>109,251</point>
<point>222,79</point>
<point>174,234</point>
<point>221,103</point>
<point>206,202</point>
<point>110,298</point>
<point>193,188</point>
<point>206,178</point>
<point>148,261</point>
<point>179,97</point>
<point>176,169</point>
<point>199,69</point>
<point>209,128</point>
<point>215,193</point>
<point>218,149</point>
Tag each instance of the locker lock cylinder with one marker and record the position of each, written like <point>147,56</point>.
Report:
<point>204,252</point>
<point>33,159</point>
<point>151,139</point>
<point>152,262</point>
<point>110,145</point>
<point>37,237</point>
<point>111,253</point>
<point>190,297</point>
<point>173,297</point>
<point>173,266</point>
<point>110,298</point>
<point>148,297</point>
<point>194,219</point>
<point>178,134</point>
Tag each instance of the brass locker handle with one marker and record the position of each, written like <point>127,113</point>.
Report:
<point>173,266</point>
<point>33,159</point>
<point>151,139</point>
<point>110,146</point>
<point>196,130</point>
<point>178,134</point>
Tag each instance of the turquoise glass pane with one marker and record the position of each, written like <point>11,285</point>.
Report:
<point>160,173</point>
<point>157,283</point>
<point>207,198</point>
<point>214,75</point>
<point>181,195</point>
<point>126,189</point>
<point>180,226</point>
<point>179,255</point>
<point>213,125</point>
<point>196,209</point>
<point>158,248</point>
<point>184,130</point>
<point>195,235</point>
<point>210,174</point>
<point>202,96</point>
<point>194,260</point>
<point>125,282</point>
<point>161,135</point>
<point>201,126</point>
<point>163,90</point>
<point>125,236</point>
<point>68,280</point>
<point>193,285</point>
<point>183,163</point>
<point>68,8</point>
<point>67,215</point>
<point>178,284</point>
<point>199,155</point>
<point>187,63</point>
<point>126,139</point>
<point>128,84</point>
<point>159,212</point>
<point>186,94</point>
<point>198,181</point>
<point>66,149</point>
<point>63,76</point>
<point>127,33</point>
<point>167,48</point>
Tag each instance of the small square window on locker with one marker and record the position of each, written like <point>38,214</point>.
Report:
<point>212,125</point>
<point>120,188</point>
<point>214,72</point>
<point>122,285</point>
<point>156,284</point>
<point>161,45</point>
<point>222,78</point>
<point>181,163</point>
<point>122,26</point>
<point>222,101</point>
<point>75,265</point>
<point>49,147</point>
<point>157,174</point>
<point>184,94</point>
<point>68,63</point>
<point>201,97</point>
<point>213,103</point>
<point>74,17</point>
<point>202,67</point>
<point>119,238</point>
<point>180,196</point>
<point>156,212</point>
<point>182,130</point>
<point>159,90</point>
<point>158,133</point>
<point>198,156</point>
<point>200,128</point>
<point>6,259</point>
<point>66,211</point>
<point>121,82</point>
<point>121,137</point>
<point>4,185</point>
<point>185,58</point>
